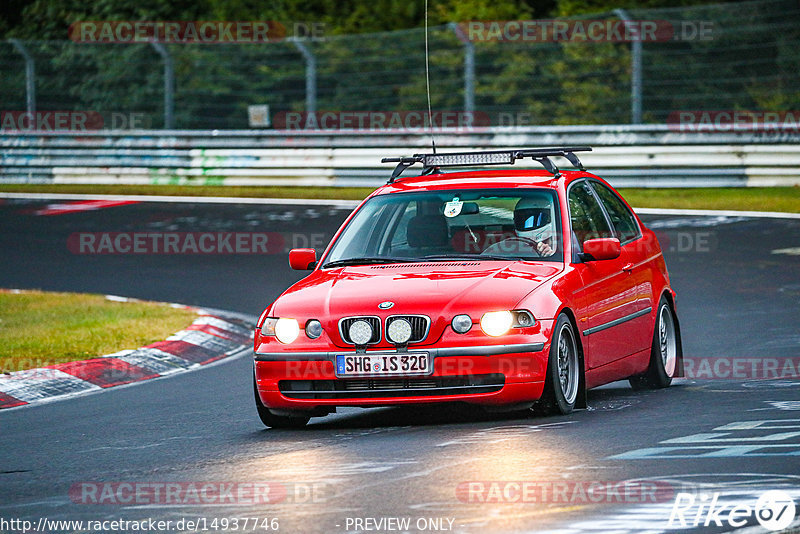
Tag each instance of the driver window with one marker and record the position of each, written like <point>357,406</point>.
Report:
<point>586,216</point>
<point>621,217</point>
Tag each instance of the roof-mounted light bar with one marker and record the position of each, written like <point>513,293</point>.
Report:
<point>492,157</point>
<point>468,158</point>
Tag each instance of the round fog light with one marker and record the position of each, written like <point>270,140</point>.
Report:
<point>313,329</point>
<point>286,330</point>
<point>360,332</point>
<point>461,323</point>
<point>399,331</point>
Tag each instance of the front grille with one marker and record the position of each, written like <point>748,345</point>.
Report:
<point>379,388</point>
<point>374,322</point>
<point>419,326</point>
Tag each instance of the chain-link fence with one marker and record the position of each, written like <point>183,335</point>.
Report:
<point>743,56</point>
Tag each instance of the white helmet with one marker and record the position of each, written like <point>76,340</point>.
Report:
<point>535,218</point>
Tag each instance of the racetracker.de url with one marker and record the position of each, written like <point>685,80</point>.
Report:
<point>195,524</point>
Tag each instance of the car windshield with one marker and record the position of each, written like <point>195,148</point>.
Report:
<point>473,224</point>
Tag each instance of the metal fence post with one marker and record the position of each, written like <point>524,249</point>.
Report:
<point>311,76</point>
<point>169,86</point>
<point>30,76</point>
<point>469,67</point>
<point>636,68</point>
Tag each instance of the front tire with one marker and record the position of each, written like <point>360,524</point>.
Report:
<point>663,351</point>
<point>276,421</point>
<point>564,370</point>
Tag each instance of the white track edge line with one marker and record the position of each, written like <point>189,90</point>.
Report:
<point>718,213</point>
<point>353,203</point>
<point>186,199</point>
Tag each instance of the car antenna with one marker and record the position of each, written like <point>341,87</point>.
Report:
<point>428,80</point>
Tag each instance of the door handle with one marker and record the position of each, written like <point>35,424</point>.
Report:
<point>628,268</point>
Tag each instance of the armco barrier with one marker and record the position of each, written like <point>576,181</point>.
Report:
<point>650,156</point>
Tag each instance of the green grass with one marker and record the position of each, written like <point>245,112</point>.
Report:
<point>753,198</point>
<point>39,328</point>
<point>785,199</point>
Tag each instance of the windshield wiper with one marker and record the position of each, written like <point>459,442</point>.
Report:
<point>471,257</point>
<point>367,261</point>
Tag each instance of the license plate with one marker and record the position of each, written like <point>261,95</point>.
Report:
<point>384,364</point>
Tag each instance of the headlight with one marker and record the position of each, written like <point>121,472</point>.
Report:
<point>286,330</point>
<point>360,332</point>
<point>313,329</point>
<point>399,331</point>
<point>461,323</point>
<point>497,323</point>
<point>523,318</point>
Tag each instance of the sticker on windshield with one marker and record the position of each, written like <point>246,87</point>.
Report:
<point>453,208</point>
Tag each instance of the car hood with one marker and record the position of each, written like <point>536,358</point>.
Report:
<point>439,290</point>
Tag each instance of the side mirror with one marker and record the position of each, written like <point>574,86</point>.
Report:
<point>605,248</point>
<point>302,259</point>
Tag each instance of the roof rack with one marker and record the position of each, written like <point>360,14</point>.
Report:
<point>431,162</point>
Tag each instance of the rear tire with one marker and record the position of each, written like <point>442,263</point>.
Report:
<point>663,351</point>
<point>276,421</point>
<point>563,380</point>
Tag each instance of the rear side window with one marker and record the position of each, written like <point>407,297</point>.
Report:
<point>588,220</point>
<point>621,217</point>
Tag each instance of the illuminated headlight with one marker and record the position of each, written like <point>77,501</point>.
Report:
<point>497,323</point>
<point>461,323</point>
<point>286,330</point>
<point>399,331</point>
<point>313,329</point>
<point>360,332</point>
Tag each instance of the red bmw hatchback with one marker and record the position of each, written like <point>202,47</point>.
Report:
<point>501,288</point>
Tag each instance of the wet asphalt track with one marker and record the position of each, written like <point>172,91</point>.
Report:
<point>735,299</point>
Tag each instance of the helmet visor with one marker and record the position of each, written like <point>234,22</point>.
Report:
<point>531,218</point>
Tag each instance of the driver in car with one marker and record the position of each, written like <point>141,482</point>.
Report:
<point>534,229</point>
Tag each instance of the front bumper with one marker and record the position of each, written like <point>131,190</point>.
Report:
<point>490,375</point>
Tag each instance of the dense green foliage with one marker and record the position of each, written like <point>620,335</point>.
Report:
<point>372,59</point>
<point>49,19</point>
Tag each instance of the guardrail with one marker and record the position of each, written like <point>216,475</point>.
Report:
<point>630,155</point>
